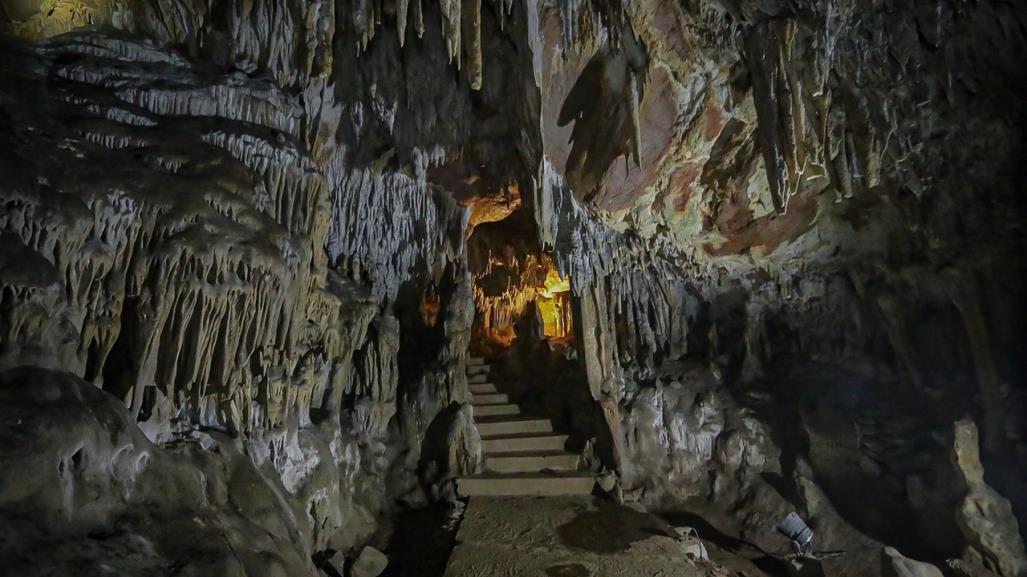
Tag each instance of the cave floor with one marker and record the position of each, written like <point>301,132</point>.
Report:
<point>566,537</point>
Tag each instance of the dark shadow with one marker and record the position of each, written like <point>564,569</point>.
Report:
<point>118,370</point>
<point>610,529</point>
<point>766,562</point>
<point>422,542</point>
<point>434,447</point>
<point>568,570</point>
<point>863,439</point>
<point>707,531</point>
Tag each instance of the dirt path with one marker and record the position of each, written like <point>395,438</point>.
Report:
<point>567,537</point>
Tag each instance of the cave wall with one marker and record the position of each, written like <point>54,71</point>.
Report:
<point>803,238</point>
<point>188,228</point>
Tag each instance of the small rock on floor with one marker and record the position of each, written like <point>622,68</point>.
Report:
<point>370,563</point>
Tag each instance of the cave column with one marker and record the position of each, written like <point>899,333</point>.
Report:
<point>601,366</point>
<point>965,296</point>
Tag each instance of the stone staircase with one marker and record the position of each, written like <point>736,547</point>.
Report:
<point>523,455</point>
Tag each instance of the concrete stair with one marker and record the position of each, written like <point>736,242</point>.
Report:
<point>531,462</point>
<point>537,484</point>
<point>523,456</point>
<point>490,399</point>
<point>522,444</point>
<point>473,370</point>
<point>509,409</point>
<point>482,388</point>
<point>518,427</point>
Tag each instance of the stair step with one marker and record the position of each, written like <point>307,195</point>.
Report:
<point>531,484</point>
<point>490,399</point>
<point>531,462</point>
<point>497,428</point>
<point>494,410</point>
<point>475,360</point>
<point>523,443</point>
<point>478,369</point>
<point>482,388</point>
<point>477,379</point>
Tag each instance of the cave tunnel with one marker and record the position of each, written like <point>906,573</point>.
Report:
<point>467,288</point>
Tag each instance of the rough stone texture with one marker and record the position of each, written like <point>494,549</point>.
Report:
<point>192,241</point>
<point>985,517</point>
<point>895,565</point>
<point>798,216</point>
<point>81,483</point>
<point>576,536</point>
<point>792,231</point>
<point>370,563</point>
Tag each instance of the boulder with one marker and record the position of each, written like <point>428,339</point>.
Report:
<point>338,562</point>
<point>964,568</point>
<point>894,564</point>
<point>370,563</point>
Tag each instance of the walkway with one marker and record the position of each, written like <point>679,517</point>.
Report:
<point>567,537</point>
<point>523,456</point>
<point>531,513</point>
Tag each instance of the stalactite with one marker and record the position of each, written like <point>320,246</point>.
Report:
<point>418,18</point>
<point>644,286</point>
<point>376,379</point>
<point>472,34</point>
<point>373,234</point>
<point>636,138</point>
<point>402,8</point>
<point>228,281</point>
<point>451,27</point>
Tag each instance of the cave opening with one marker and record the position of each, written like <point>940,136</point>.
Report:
<point>520,296</point>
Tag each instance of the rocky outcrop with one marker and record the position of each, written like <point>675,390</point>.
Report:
<point>895,565</point>
<point>84,484</point>
<point>985,517</point>
<point>186,241</point>
<point>765,129</point>
<point>790,231</point>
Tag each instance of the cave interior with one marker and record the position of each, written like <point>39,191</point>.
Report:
<point>483,288</point>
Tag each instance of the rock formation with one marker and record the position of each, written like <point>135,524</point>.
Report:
<point>754,256</point>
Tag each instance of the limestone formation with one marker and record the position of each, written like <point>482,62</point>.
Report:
<point>370,563</point>
<point>744,257</point>
<point>895,565</point>
<point>985,517</point>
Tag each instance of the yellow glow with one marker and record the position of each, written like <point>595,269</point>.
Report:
<point>555,284</point>
<point>554,306</point>
<point>539,283</point>
<point>502,338</point>
<point>55,17</point>
<point>430,307</point>
<point>554,317</point>
<point>494,208</point>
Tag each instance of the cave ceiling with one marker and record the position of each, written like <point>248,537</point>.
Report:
<point>655,113</point>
